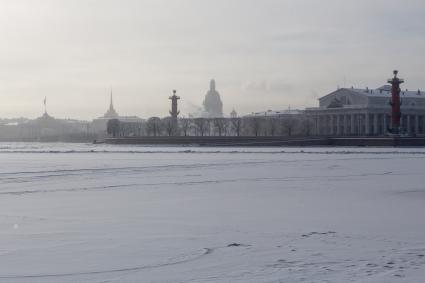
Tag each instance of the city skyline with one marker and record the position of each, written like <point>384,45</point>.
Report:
<point>263,54</point>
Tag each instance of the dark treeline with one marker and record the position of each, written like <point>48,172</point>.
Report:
<point>246,126</point>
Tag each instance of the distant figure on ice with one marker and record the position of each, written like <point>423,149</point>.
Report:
<point>212,103</point>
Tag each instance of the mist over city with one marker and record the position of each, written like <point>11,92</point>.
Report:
<point>263,54</point>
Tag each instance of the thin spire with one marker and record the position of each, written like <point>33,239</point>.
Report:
<point>111,105</point>
<point>45,104</point>
<point>111,113</point>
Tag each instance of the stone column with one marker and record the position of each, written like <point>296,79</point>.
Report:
<point>375,124</point>
<point>352,121</point>
<point>323,125</point>
<point>423,124</point>
<point>316,121</point>
<point>319,125</point>
<point>345,132</point>
<point>416,124</point>
<point>326,124</point>
<point>402,118</point>
<point>331,125</point>
<point>384,124</point>
<point>338,125</point>
<point>367,124</point>
<point>334,125</point>
<point>359,123</point>
<point>408,124</point>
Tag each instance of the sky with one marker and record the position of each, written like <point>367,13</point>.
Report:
<point>263,54</point>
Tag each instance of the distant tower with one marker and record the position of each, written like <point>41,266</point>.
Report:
<point>233,114</point>
<point>45,114</point>
<point>395,103</point>
<point>45,105</point>
<point>212,104</point>
<point>111,113</point>
<point>174,110</point>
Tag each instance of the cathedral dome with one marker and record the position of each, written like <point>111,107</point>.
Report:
<point>212,104</point>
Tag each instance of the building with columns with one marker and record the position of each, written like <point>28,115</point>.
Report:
<point>359,112</point>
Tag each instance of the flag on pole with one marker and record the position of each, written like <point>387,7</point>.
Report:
<point>44,102</point>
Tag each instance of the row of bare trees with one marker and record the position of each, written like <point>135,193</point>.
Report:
<point>246,126</point>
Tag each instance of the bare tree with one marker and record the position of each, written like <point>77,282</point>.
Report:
<point>208,123</point>
<point>288,126</point>
<point>272,124</point>
<point>154,126</point>
<point>168,126</point>
<point>185,125</point>
<point>139,128</point>
<point>226,126</point>
<point>236,125</point>
<point>129,129</point>
<point>221,125</point>
<point>113,127</point>
<point>255,124</point>
<point>307,126</point>
<point>201,125</point>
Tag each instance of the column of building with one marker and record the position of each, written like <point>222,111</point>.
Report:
<point>316,125</point>
<point>384,123</point>
<point>408,125</point>
<point>423,124</point>
<point>345,125</point>
<point>375,124</point>
<point>367,124</point>
<point>338,124</point>
<point>416,124</point>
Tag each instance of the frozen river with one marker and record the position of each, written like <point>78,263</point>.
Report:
<point>99,213</point>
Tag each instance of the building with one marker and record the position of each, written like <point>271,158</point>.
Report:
<point>233,114</point>
<point>99,125</point>
<point>353,111</point>
<point>213,106</point>
<point>277,114</point>
<point>45,128</point>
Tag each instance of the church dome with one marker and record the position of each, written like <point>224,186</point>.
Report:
<point>212,103</point>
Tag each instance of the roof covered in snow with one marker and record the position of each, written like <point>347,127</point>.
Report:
<point>385,90</point>
<point>269,113</point>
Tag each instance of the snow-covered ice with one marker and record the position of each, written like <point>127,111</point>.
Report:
<point>101,213</point>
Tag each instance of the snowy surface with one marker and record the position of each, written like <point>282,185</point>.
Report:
<point>99,213</point>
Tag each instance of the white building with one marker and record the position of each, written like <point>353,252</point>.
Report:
<point>351,111</point>
<point>99,124</point>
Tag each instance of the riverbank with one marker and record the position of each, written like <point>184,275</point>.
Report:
<point>270,141</point>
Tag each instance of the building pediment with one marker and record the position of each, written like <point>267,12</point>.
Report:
<point>342,98</point>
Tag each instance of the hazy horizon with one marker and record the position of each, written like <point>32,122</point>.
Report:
<point>263,54</point>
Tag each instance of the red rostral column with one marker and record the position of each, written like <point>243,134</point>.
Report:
<point>174,112</point>
<point>395,103</point>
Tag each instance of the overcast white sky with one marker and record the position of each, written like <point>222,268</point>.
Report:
<point>264,54</point>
